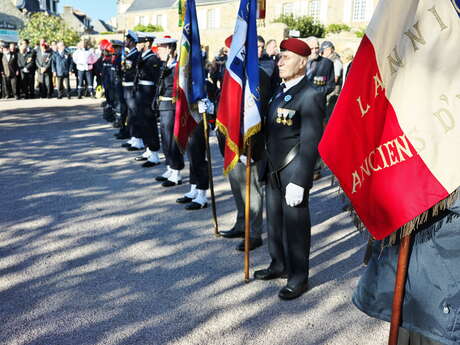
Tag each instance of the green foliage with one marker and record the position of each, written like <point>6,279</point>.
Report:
<point>148,28</point>
<point>360,33</point>
<point>306,25</point>
<point>336,28</point>
<point>51,28</point>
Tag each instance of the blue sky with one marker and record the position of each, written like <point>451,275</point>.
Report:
<point>96,9</point>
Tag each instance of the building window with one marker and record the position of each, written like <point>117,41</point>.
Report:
<point>288,9</point>
<point>314,9</point>
<point>211,19</point>
<point>143,20</point>
<point>358,13</point>
<point>158,19</point>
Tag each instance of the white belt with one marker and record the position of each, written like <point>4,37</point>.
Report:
<point>165,99</point>
<point>146,82</point>
<point>113,69</point>
<point>127,83</point>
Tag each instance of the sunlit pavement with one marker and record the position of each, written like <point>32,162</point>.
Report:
<point>94,251</point>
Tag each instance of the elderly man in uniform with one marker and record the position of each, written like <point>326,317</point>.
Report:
<point>293,128</point>
<point>26,64</point>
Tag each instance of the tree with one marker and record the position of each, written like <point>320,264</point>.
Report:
<point>306,25</point>
<point>148,28</point>
<point>51,28</point>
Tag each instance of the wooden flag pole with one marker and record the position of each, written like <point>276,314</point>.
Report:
<point>400,283</point>
<point>247,209</point>
<point>211,179</point>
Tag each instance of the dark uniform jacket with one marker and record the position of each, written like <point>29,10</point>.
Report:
<point>432,293</point>
<point>148,67</point>
<point>27,60</point>
<point>44,60</point>
<point>320,72</point>
<point>129,68</point>
<point>10,67</point>
<point>295,118</point>
<point>61,64</point>
<point>166,86</point>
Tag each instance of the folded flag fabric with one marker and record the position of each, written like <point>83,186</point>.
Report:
<point>393,137</point>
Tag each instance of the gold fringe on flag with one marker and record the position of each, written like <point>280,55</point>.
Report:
<point>231,144</point>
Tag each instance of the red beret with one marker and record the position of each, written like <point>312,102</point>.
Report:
<point>228,41</point>
<point>296,46</point>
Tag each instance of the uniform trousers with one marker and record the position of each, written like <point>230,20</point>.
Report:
<point>133,121</point>
<point>196,152</point>
<point>82,77</point>
<point>147,119</point>
<point>27,84</point>
<point>61,80</point>
<point>45,84</point>
<point>289,230</point>
<point>173,157</point>
<point>237,179</point>
<point>10,86</point>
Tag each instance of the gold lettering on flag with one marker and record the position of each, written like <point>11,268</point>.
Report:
<point>394,151</point>
<point>447,120</point>
<point>378,83</point>
<point>414,38</point>
<point>395,61</point>
<point>363,112</point>
<point>435,13</point>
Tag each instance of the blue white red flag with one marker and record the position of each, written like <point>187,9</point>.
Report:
<point>238,115</point>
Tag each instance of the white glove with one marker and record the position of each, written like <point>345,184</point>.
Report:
<point>205,106</point>
<point>244,159</point>
<point>294,194</point>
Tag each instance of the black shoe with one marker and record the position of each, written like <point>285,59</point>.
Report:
<point>79,96</point>
<point>134,148</point>
<point>140,159</point>
<point>268,274</point>
<point>289,292</point>
<point>59,97</point>
<point>168,183</point>
<point>126,145</point>
<point>150,164</point>
<point>183,200</point>
<point>122,134</point>
<point>195,206</point>
<point>232,233</point>
<point>69,97</point>
<point>253,244</point>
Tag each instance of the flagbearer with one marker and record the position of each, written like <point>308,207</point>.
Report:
<point>293,129</point>
<point>174,159</point>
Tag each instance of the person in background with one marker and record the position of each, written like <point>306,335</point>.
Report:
<point>43,62</point>
<point>84,59</point>
<point>61,67</point>
<point>27,67</point>
<point>10,72</point>
<point>271,48</point>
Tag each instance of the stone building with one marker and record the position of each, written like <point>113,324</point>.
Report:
<point>217,17</point>
<point>31,6</point>
<point>77,20</point>
<point>11,21</point>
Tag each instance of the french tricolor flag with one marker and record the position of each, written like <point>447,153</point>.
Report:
<point>238,115</point>
<point>394,136</point>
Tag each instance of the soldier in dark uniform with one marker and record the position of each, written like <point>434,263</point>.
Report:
<point>26,64</point>
<point>174,159</point>
<point>128,68</point>
<point>320,72</point>
<point>293,128</point>
<point>116,81</point>
<point>107,51</point>
<point>148,73</point>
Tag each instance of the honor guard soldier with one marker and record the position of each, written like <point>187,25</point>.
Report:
<point>174,159</point>
<point>128,68</point>
<point>148,73</point>
<point>292,129</point>
<point>116,82</point>
<point>107,51</point>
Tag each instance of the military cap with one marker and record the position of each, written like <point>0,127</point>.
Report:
<point>296,46</point>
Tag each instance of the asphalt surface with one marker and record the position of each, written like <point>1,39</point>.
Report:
<point>94,251</point>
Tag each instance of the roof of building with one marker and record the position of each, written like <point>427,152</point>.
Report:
<point>141,5</point>
<point>100,26</point>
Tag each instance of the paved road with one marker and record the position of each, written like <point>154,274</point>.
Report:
<point>93,251</point>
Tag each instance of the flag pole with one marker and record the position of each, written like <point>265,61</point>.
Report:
<point>400,283</point>
<point>211,180</point>
<point>247,208</point>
